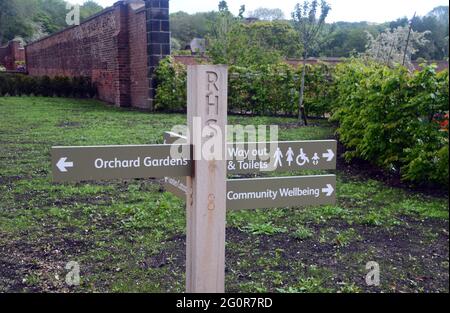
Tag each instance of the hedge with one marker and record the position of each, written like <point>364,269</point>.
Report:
<point>388,116</point>
<point>24,85</point>
<point>394,119</point>
<point>259,90</point>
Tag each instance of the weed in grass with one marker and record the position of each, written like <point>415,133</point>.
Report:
<point>346,237</point>
<point>302,233</point>
<point>267,229</point>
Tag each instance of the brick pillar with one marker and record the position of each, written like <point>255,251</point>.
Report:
<point>123,89</point>
<point>158,39</point>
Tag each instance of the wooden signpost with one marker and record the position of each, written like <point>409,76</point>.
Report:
<point>198,173</point>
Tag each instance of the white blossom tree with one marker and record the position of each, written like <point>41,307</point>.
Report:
<point>393,46</point>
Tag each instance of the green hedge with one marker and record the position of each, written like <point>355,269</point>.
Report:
<point>387,116</point>
<point>259,90</point>
<point>394,119</point>
<point>24,85</point>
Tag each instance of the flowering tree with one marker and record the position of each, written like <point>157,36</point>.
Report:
<point>393,47</point>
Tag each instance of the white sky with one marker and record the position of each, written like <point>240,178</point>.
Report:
<point>342,10</point>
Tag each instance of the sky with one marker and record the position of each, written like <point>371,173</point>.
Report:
<point>376,11</point>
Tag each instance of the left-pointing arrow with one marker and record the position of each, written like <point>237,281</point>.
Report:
<point>63,165</point>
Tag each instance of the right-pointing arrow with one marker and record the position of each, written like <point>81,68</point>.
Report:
<point>329,190</point>
<point>329,155</point>
<point>63,165</point>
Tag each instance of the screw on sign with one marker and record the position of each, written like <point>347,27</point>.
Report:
<point>201,178</point>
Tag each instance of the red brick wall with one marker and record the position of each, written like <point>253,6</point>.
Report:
<point>138,57</point>
<point>10,54</point>
<point>98,48</point>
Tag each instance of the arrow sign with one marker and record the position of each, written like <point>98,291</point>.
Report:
<point>74,164</point>
<point>329,155</point>
<point>281,192</point>
<point>252,157</point>
<point>63,165</point>
<point>328,190</point>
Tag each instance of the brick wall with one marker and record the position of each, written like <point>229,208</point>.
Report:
<point>10,54</point>
<point>111,48</point>
<point>98,48</point>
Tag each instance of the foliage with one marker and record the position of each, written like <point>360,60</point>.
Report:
<point>33,19</point>
<point>172,79</point>
<point>436,24</point>
<point>390,46</point>
<point>309,25</point>
<point>23,85</point>
<point>267,229</point>
<point>184,27</point>
<point>258,90</point>
<point>338,39</point>
<point>392,118</point>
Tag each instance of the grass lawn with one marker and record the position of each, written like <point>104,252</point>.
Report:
<point>129,236</point>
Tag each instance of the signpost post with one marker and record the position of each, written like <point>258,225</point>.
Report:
<point>206,204</point>
<point>198,171</point>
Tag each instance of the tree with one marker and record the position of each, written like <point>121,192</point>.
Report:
<point>184,27</point>
<point>233,42</point>
<point>266,14</point>
<point>89,8</point>
<point>309,26</point>
<point>389,47</point>
<point>223,6</point>
<point>14,19</point>
<point>241,12</point>
<point>33,19</point>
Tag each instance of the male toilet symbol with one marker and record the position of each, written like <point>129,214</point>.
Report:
<point>278,156</point>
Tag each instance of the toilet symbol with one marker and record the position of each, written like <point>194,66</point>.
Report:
<point>278,156</point>
<point>290,156</point>
<point>302,159</point>
<point>315,159</point>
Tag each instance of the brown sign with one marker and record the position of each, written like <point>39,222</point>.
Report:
<point>119,162</point>
<point>245,158</point>
<point>285,156</point>
<point>281,192</point>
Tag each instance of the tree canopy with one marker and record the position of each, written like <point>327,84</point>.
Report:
<point>338,39</point>
<point>33,19</point>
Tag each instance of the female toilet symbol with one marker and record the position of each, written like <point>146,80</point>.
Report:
<point>278,156</point>
<point>290,156</point>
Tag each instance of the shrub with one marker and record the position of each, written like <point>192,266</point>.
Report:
<point>387,116</point>
<point>21,85</point>
<point>258,90</point>
<point>172,84</point>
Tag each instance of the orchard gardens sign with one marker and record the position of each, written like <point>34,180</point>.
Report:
<point>203,173</point>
